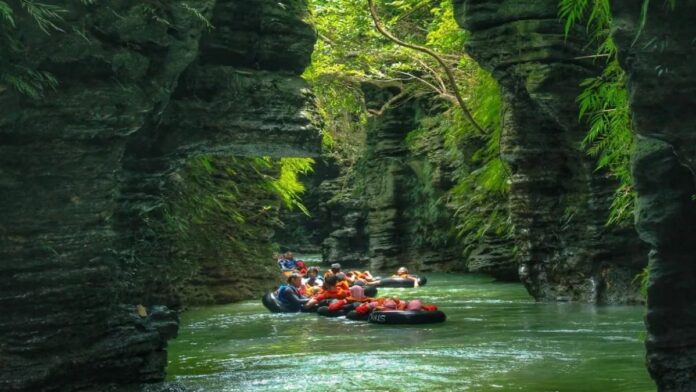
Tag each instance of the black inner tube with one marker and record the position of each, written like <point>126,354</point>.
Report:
<point>370,291</point>
<point>401,282</point>
<point>353,315</point>
<point>271,303</point>
<point>324,311</point>
<point>407,317</point>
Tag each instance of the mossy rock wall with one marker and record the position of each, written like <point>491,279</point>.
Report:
<point>558,201</point>
<point>81,168</point>
<point>657,51</point>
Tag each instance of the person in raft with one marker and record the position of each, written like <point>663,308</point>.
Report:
<point>301,267</point>
<point>335,268</point>
<point>312,281</point>
<point>289,294</point>
<point>355,298</point>
<point>328,291</point>
<point>357,294</point>
<point>342,281</point>
<point>402,273</point>
<point>362,278</point>
<point>287,262</point>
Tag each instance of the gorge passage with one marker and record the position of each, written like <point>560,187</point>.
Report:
<point>154,155</point>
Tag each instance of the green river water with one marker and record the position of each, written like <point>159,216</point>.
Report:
<point>495,339</point>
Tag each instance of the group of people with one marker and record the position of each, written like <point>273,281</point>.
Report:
<point>287,262</point>
<point>306,287</point>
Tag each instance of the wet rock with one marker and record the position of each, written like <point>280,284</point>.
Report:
<point>659,59</point>
<point>494,256</point>
<point>407,222</point>
<point>558,202</point>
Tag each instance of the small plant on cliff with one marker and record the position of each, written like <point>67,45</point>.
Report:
<point>15,73</point>
<point>604,103</point>
<point>288,186</point>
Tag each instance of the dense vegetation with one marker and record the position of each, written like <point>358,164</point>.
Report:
<point>221,212</point>
<point>351,52</point>
<point>605,103</point>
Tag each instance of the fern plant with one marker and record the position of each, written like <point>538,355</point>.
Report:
<point>482,189</point>
<point>604,102</point>
<point>288,186</point>
<point>14,73</point>
<point>479,195</point>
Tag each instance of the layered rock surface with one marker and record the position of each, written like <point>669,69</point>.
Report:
<point>558,201</point>
<point>143,87</point>
<point>400,183</point>
<point>386,209</point>
<point>659,59</point>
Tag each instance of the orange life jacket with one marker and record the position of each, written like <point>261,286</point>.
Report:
<point>337,293</point>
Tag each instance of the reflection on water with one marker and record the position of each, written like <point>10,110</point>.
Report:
<point>495,339</point>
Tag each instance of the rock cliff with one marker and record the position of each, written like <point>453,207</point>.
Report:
<point>407,222</point>
<point>659,58</point>
<point>388,208</point>
<point>558,201</point>
<point>144,86</point>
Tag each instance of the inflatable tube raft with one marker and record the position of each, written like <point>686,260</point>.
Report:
<point>355,316</point>
<point>406,317</point>
<point>401,282</point>
<point>271,303</point>
<point>370,291</point>
<point>324,311</point>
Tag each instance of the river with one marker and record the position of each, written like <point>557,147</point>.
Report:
<point>495,339</point>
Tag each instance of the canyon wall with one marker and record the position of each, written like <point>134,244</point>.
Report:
<point>658,52</point>
<point>143,87</point>
<point>407,221</point>
<point>389,207</point>
<point>558,201</point>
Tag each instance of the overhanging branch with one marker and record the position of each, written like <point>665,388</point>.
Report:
<point>431,53</point>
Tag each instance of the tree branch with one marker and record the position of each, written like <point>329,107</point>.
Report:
<point>430,52</point>
<point>435,75</point>
<point>388,104</point>
<point>425,82</point>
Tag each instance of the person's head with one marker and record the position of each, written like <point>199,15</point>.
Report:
<point>402,270</point>
<point>295,280</point>
<point>289,255</point>
<point>312,272</point>
<point>340,276</point>
<point>414,305</point>
<point>330,282</point>
<point>335,268</point>
<point>357,293</point>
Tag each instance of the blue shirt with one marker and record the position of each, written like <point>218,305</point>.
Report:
<point>286,264</point>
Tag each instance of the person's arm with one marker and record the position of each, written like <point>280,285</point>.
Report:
<point>294,299</point>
